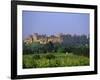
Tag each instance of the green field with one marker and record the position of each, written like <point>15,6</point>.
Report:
<point>44,60</point>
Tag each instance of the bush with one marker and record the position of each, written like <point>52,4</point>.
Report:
<point>53,60</point>
<point>61,50</point>
<point>84,51</point>
<point>36,56</point>
<point>27,62</point>
<point>50,56</point>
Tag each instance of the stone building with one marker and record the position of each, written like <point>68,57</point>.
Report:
<point>43,39</point>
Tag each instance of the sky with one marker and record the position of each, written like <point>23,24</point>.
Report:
<point>51,23</point>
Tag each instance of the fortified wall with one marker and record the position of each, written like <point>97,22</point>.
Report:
<point>43,39</point>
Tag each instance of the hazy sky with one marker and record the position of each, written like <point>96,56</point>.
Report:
<point>52,23</point>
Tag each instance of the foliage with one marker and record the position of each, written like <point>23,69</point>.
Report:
<point>36,48</point>
<point>50,56</point>
<point>73,51</point>
<point>61,50</point>
<point>53,60</point>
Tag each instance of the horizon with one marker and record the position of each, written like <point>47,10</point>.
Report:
<point>50,23</point>
<point>56,34</point>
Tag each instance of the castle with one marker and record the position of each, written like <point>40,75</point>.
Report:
<point>43,39</point>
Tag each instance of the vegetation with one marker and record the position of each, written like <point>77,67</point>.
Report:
<point>53,60</point>
<point>36,48</point>
<point>73,51</point>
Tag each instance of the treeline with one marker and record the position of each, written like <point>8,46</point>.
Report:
<point>76,40</point>
<point>78,45</point>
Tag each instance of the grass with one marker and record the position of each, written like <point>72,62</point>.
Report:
<point>53,60</point>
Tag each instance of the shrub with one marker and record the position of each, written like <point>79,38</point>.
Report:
<point>61,50</point>
<point>27,62</point>
<point>50,56</point>
<point>36,56</point>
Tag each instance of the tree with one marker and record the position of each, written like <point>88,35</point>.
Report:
<point>49,46</point>
<point>61,50</point>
